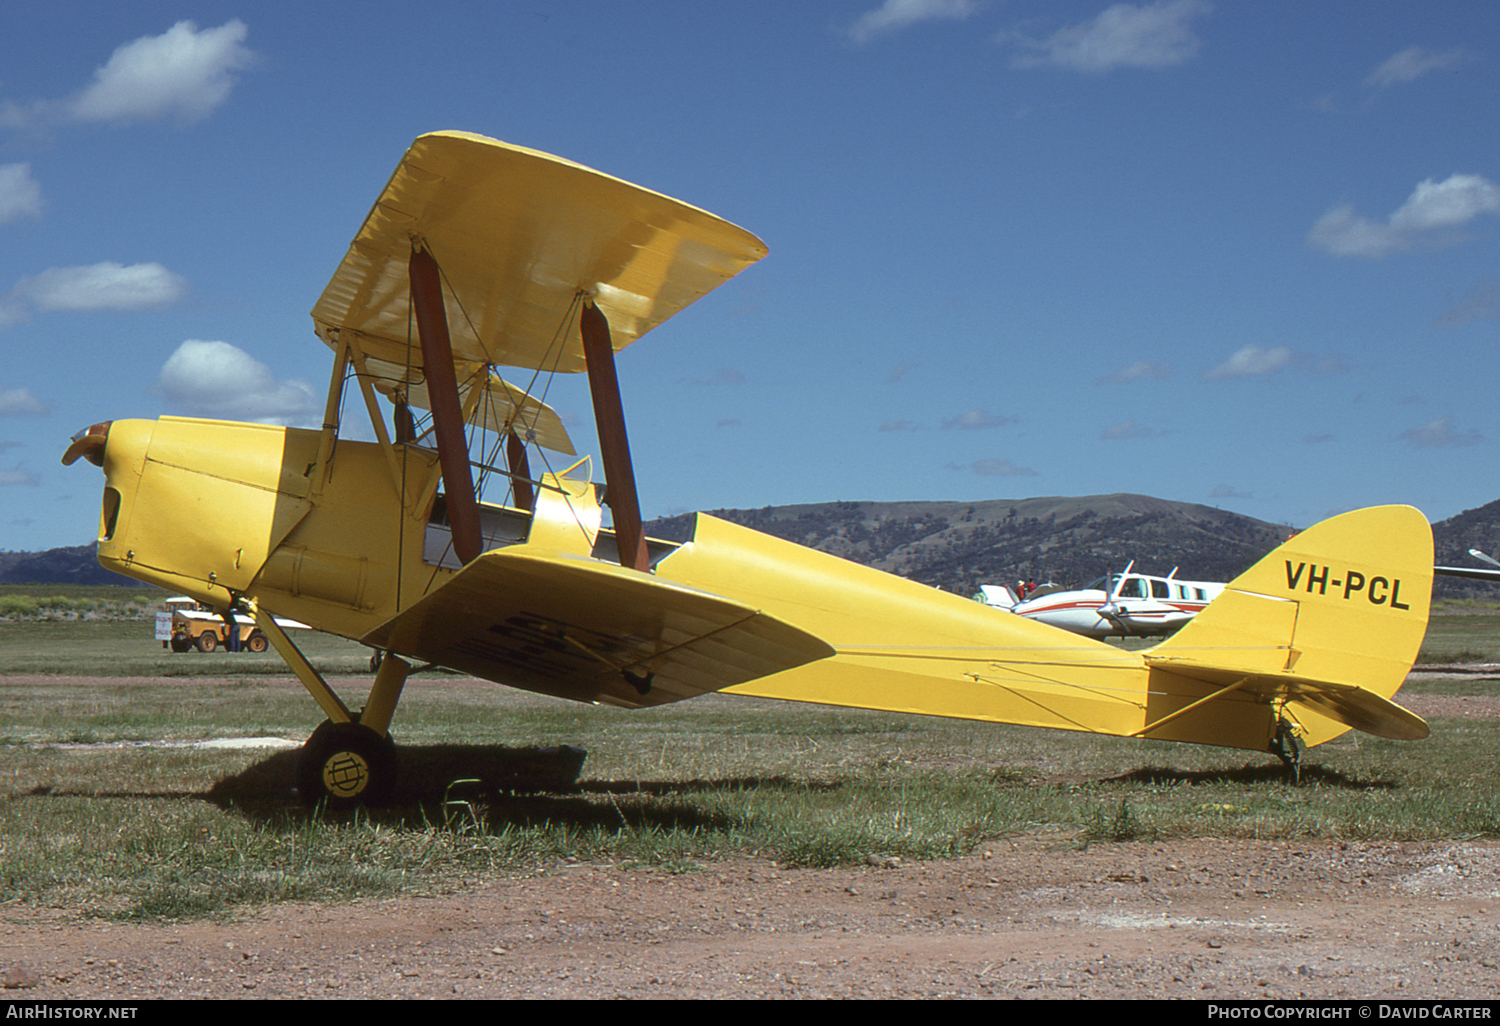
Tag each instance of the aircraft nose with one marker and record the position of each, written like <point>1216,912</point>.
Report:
<point>88,443</point>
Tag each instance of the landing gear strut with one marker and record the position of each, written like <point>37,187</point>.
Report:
<point>350,759</point>
<point>1288,747</point>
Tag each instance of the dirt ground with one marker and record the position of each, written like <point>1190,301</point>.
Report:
<point>1031,917</point>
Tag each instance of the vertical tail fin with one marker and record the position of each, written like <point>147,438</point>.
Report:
<point>1330,621</point>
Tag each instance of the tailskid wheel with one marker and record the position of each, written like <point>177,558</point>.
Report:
<point>346,765</point>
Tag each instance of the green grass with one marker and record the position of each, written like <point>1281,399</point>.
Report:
<point>127,648</point>
<point>124,830</point>
<point>1471,636</point>
<point>73,601</point>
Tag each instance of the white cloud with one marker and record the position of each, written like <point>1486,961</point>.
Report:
<point>20,195</point>
<point>1447,204</point>
<point>898,14</point>
<point>17,476</point>
<point>1155,35</point>
<point>19,402</point>
<point>1251,361</point>
<point>1224,491</point>
<point>1439,434</point>
<point>216,379</point>
<point>106,286</point>
<point>1426,217</point>
<point>1411,64</point>
<point>182,73</point>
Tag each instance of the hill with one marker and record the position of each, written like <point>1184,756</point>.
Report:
<point>1471,529</point>
<point>76,564</point>
<point>960,545</point>
<point>1453,538</point>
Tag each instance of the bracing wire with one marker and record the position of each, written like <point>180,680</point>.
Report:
<point>556,347</point>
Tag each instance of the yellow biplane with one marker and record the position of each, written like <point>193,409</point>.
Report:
<point>480,255</point>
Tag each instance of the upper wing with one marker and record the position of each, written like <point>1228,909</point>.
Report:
<point>577,628</point>
<point>520,236</point>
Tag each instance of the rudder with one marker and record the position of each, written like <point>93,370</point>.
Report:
<point>1331,621</point>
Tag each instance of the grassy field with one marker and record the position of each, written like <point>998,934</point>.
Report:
<point>126,648</point>
<point>106,809</point>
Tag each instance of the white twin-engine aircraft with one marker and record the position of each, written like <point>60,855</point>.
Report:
<point>1125,604</point>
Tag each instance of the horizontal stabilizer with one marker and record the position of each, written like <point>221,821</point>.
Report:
<point>1362,710</point>
<point>1348,704</point>
<point>578,628</point>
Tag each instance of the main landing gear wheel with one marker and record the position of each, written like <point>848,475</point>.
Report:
<point>346,765</point>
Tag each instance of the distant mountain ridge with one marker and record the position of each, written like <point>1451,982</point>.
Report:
<point>77,564</point>
<point>960,545</point>
<point>1472,529</point>
<point>957,546</point>
<point>1453,538</point>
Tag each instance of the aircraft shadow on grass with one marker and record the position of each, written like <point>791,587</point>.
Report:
<point>515,787</point>
<point>527,787</point>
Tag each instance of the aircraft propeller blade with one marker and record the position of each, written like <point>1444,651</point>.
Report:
<point>1111,609</point>
<point>1488,559</point>
<point>89,444</point>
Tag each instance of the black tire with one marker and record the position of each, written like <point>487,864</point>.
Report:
<point>346,765</point>
<point>181,643</point>
<point>257,642</point>
<point>208,641</point>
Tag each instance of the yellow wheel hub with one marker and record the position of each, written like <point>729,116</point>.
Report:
<point>346,774</point>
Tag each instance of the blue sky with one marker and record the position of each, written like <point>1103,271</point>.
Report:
<point>1244,254</point>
